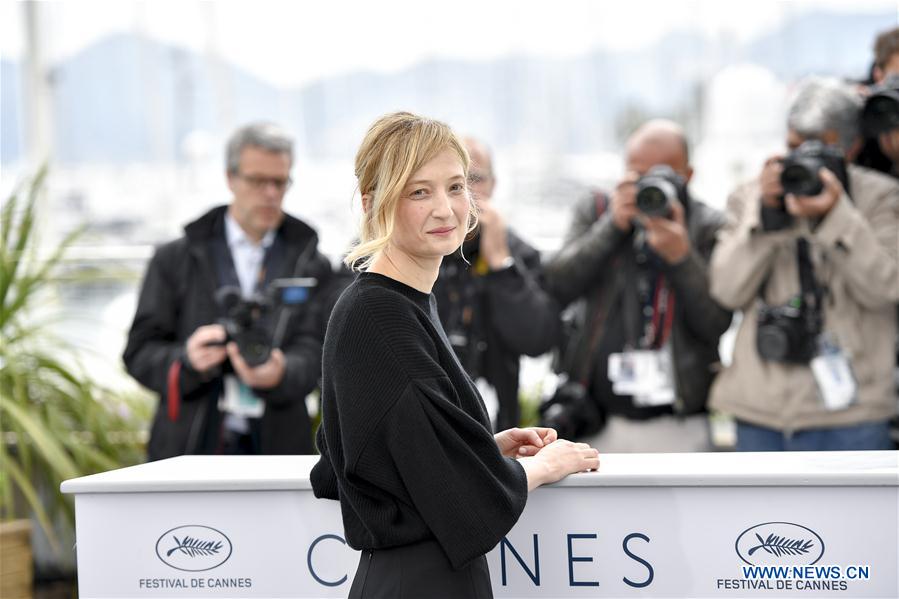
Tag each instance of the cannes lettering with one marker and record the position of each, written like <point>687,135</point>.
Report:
<point>529,561</point>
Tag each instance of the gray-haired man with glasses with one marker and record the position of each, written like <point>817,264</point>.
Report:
<point>231,359</point>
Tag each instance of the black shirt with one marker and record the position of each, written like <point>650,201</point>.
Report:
<point>405,438</point>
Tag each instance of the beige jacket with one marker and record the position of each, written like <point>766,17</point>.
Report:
<point>855,250</point>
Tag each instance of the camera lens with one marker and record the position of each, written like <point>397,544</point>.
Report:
<point>255,353</point>
<point>558,417</point>
<point>773,343</point>
<point>881,113</point>
<point>801,179</point>
<point>254,346</point>
<point>653,201</point>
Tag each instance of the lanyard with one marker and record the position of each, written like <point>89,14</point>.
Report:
<point>659,326</point>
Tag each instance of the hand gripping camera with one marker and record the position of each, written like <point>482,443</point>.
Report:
<point>658,189</point>
<point>247,321</point>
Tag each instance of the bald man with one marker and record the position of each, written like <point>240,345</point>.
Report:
<point>491,300</point>
<point>644,352</point>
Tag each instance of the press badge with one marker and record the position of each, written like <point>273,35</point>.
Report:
<point>238,399</point>
<point>833,374</point>
<point>645,375</point>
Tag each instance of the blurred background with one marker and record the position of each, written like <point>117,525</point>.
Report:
<point>129,103</point>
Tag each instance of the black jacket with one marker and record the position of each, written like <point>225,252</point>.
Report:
<point>598,263</point>
<point>178,295</point>
<point>494,318</point>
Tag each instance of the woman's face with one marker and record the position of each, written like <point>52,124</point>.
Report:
<point>432,212</point>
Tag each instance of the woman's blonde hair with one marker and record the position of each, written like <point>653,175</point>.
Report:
<point>396,146</point>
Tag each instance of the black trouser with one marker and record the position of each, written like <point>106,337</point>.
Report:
<point>420,570</point>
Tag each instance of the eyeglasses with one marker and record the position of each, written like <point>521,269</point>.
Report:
<point>260,183</point>
<point>475,178</point>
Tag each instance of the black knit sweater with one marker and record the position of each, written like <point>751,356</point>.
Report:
<point>405,439</point>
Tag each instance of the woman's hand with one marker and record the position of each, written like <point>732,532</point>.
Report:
<point>524,442</point>
<point>557,460</point>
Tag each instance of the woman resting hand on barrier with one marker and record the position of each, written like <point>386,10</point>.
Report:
<point>425,488</point>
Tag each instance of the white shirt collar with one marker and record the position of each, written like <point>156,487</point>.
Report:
<point>236,236</point>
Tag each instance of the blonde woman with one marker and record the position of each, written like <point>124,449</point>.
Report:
<point>425,489</point>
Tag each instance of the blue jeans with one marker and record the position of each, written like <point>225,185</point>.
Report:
<point>871,435</point>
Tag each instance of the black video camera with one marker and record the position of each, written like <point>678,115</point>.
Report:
<point>881,111</point>
<point>788,333</point>
<point>246,320</point>
<point>658,189</point>
<point>800,168</point>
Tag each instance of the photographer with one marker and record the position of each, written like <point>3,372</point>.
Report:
<point>231,391</point>
<point>646,343</point>
<point>490,299</point>
<point>810,257</point>
<point>880,116</point>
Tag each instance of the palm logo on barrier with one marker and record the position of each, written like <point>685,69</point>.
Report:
<point>197,548</point>
<point>779,543</point>
<point>779,546</point>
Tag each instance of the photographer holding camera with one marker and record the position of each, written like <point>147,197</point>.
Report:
<point>491,301</point>
<point>810,257</point>
<point>645,347</point>
<point>230,347</point>
<point>880,116</point>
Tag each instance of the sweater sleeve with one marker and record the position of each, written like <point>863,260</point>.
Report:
<point>153,340</point>
<point>323,478</point>
<point>586,253</point>
<point>523,314</point>
<point>466,492</point>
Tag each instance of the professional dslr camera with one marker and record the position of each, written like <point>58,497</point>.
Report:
<point>658,188</point>
<point>247,321</point>
<point>801,166</point>
<point>571,412</point>
<point>788,333</point>
<point>881,111</point>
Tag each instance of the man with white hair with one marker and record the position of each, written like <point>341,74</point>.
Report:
<point>810,257</point>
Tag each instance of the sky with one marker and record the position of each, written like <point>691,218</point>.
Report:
<point>290,43</point>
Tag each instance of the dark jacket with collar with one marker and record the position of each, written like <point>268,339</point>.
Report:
<point>178,296</point>
<point>494,318</point>
<point>598,264</point>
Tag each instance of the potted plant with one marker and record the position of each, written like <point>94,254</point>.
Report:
<point>56,421</point>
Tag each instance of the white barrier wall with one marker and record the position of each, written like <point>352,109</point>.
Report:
<point>647,525</point>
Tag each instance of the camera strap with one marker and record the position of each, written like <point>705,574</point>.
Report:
<point>811,292</point>
<point>595,320</point>
<point>807,284</point>
<point>662,314</point>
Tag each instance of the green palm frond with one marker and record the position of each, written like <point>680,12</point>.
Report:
<point>56,421</point>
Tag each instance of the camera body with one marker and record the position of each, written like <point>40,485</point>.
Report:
<point>658,189</point>
<point>800,168</point>
<point>572,412</point>
<point>881,111</point>
<point>247,322</point>
<point>787,333</point>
